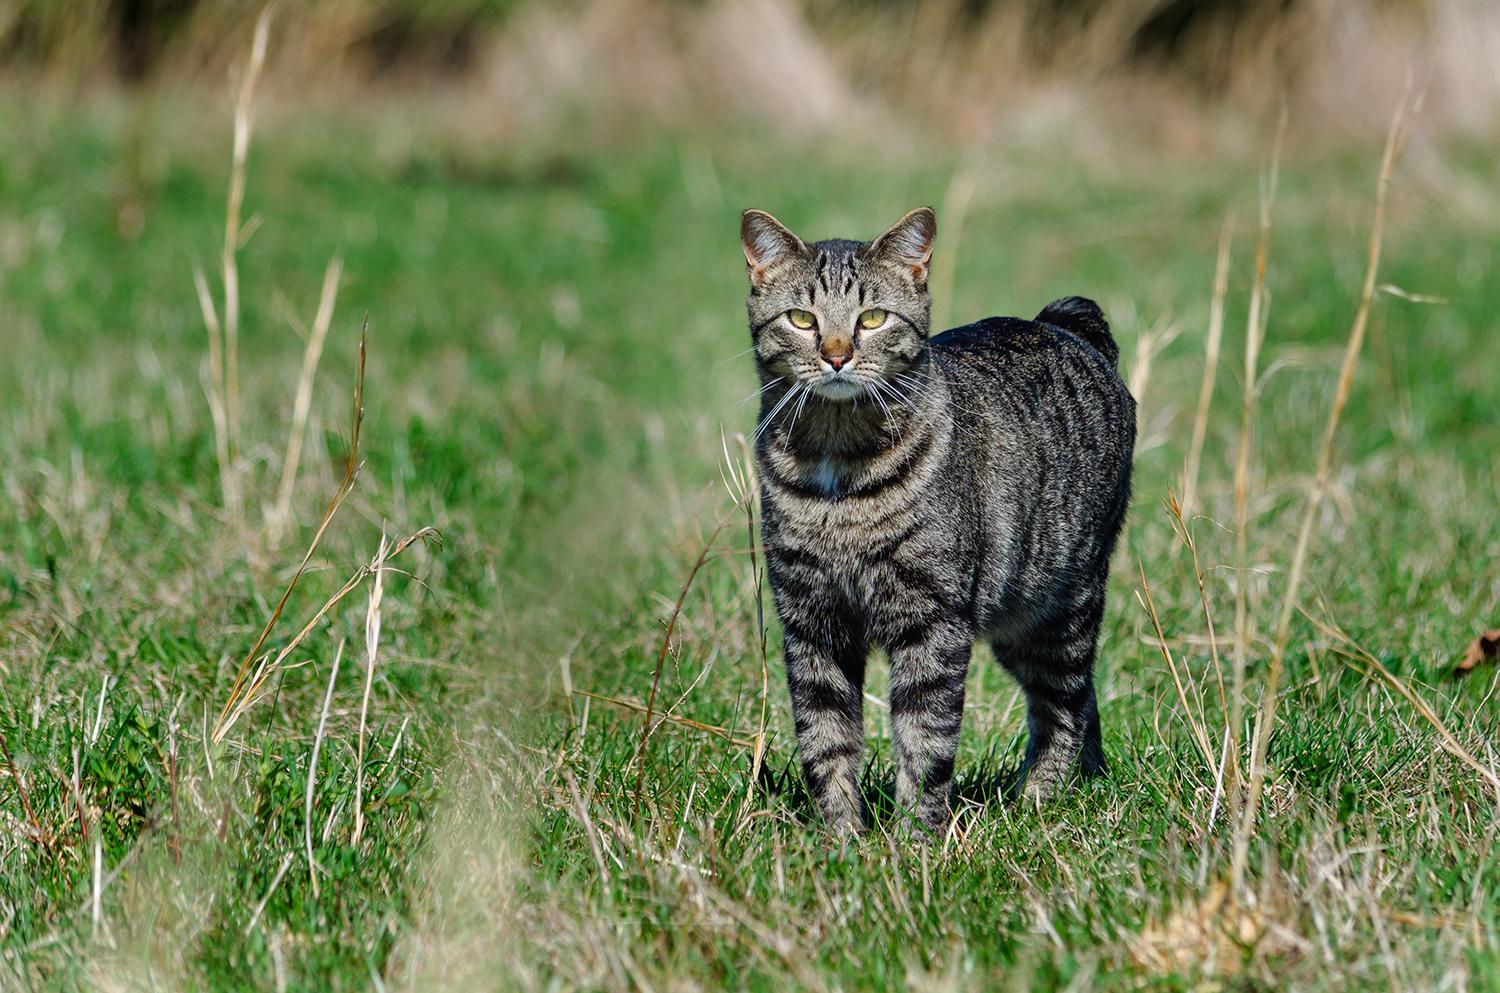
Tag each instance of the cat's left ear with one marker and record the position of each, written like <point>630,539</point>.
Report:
<point>909,243</point>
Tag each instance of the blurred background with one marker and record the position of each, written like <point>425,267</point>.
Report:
<point>957,69</point>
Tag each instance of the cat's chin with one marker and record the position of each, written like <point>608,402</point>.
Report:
<point>838,389</point>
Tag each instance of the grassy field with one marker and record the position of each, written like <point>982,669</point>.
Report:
<point>552,377</point>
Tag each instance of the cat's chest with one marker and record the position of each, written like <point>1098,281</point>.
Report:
<point>821,478</point>
<point>826,477</point>
<point>834,516</point>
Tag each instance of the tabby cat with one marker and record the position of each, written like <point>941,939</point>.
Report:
<point>921,492</point>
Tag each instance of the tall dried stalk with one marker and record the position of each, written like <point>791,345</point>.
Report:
<point>1394,141</point>
<point>1254,332</point>
<point>281,515</point>
<point>244,120</point>
<point>1210,372</point>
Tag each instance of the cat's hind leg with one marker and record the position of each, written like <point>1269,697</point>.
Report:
<point>1055,667</point>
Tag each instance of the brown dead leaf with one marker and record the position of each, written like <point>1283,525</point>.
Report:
<point>1485,648</point>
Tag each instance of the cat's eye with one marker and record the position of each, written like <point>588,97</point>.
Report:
<point>872,319</point>
<point>801,319</point>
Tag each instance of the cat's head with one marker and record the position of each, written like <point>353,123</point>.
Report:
<point>836,316</point>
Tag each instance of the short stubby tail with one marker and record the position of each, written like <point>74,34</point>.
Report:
<point>1082,317</point>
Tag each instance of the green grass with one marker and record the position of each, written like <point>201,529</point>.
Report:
<point>553,342</point>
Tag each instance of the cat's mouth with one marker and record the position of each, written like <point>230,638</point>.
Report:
<point>838,386</point>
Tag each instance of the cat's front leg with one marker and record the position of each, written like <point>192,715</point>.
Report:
<point>825,672</point>
<point>928,666</point>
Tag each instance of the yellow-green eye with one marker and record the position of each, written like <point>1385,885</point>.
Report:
<point>801,319</point>
<point>872,319</point>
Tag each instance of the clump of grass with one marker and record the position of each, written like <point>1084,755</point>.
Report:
<point>256,669</point>
<point>246,685</point>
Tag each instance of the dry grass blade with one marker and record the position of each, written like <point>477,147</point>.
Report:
<point>286,861</point>
<point>228,486</point>
<point>346,485</point>
<point>1195,721</point>
<point>312,769</point>
<point>26,808</point>
<point>281,515</point>
<point>1394,141</point>
<point>1210,371</point>
<point>372,648</point>
<point>714,729</point>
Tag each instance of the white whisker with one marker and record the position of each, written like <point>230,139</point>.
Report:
<point>759,392</point>
<point>761,429</point>
<point>875,387</point>
<point>902,395</point>
<point>926,388</point>
<point>797,411</point>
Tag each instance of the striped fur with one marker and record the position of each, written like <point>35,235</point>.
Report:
<point>928,493</point>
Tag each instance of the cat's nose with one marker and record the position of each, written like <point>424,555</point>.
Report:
<point>837,354</point>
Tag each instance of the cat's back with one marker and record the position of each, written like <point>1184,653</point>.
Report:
<point>1044,401</point>
<point>1065,358</point>
<point>1051,432</point>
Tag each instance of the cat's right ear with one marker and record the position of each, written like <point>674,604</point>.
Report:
<point>766,242</point>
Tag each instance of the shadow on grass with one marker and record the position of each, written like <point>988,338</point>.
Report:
<point>990,782</point>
